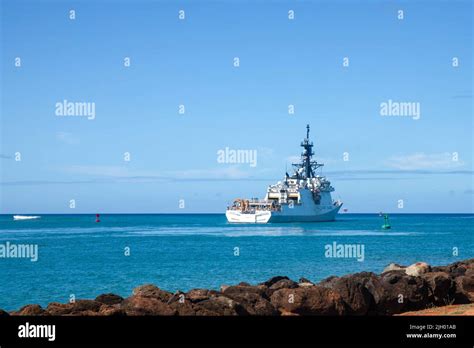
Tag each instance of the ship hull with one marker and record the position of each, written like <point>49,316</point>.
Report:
<point>322,216</point>
<point>291,215</point>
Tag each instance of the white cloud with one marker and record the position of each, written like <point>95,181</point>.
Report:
<point>422,161</point>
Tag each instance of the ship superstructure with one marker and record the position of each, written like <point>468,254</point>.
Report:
<point>303,196</point>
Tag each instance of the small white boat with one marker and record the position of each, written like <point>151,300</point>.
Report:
<point>25,217</point>
<point>257,217</point>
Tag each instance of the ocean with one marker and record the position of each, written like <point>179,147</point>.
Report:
<point>82,258</point>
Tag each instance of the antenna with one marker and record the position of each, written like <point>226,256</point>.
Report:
<point>307,167</point>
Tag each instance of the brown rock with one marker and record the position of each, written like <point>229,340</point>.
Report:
<point>219,305</point>
<point>32,309</point>
<point>400,292</point>
<point>197,295</point>
<point>357,291</point>
<point>141,305</point>
<point>441,288</point>
<point>283,284</point>
<point>75,308</point>
<point>181,304</point>
<point>456,269</point>
<point>243,289</point>
<point>109,299</point>
<point>111,310</point>
<point>55,308</point>
<point>464,292</point>
<point>273,280</point>
<point>316,300</point>
<point>4,313</point>
<point>304,280</point>
<point>183,309</point>
<point>150,290</point>
<point>252,299</point>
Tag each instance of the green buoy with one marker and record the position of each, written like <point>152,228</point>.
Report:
<point>386,225</point>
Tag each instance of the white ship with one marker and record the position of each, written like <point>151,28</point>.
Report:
<point>301,197</point>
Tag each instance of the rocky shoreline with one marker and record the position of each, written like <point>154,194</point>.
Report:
<point>397,290</point>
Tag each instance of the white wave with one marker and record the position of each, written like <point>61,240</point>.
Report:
<point>192,230</point>
<point>25,217</point>
<point>260,232</point>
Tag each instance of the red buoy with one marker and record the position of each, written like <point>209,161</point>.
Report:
<point>97,218</point>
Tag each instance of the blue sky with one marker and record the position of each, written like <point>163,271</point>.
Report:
<point>190,62</point>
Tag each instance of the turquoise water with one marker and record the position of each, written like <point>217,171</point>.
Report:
<point>179,252</point>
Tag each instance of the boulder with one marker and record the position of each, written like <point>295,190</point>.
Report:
<point>242,290</point>
<point>273,280</point>
<point>417,269</point>
<point>252,298</point>
<point>304,280</point>
<point>56,308</point>
<point>150,290</point>
<point>441,288</point>
<point>181,304</point>
<point>456,269</point>
<point>197,295</point>
<point>223,287</point>
<point>219,305</point>
<point>32,309</point>
<point>185,308</point>
<point>283,284</point>
<point>358,291</point>
<point>414,270</point>
<point>111,310</point>
<point>109,299</point>
<point>464,292</point>
<point>74,308</point>
<point>399,292</point>
<point>142,305</point>
<point>315,300</point>
<point>394,267</point>
<point>4,313</point>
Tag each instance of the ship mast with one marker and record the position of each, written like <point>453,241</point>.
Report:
<point>307,164</point>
